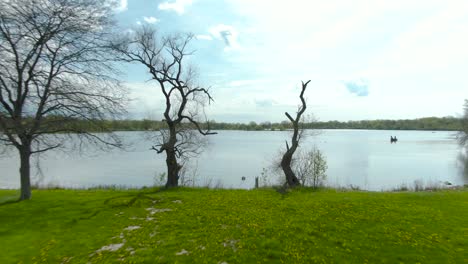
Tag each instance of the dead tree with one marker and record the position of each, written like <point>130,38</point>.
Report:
<point>164,59</point>
<point>291,179</point>
<point>55,68</point>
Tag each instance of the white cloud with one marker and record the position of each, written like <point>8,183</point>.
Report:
<point>204,37</point>
<point>150,20</point>
<point>413,53</point>
<point>122,6</point>
<point>138,22</point>
<point>408,50</point>
<point>226,33</point>
<point>255,100</point>
<point>238,83</point>
<point>435,43</point>
<point>146,100</point>
<point>178,6</point>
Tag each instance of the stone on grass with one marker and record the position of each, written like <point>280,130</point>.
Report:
<point>111,247</point>
<point>182,252</point>
<point>152,210</point>
<point>131,228</point>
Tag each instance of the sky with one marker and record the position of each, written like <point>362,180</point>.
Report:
<point>366,59</point>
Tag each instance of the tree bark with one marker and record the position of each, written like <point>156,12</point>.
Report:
<point>172,169</point>
<point>173,166</point>
<point>25,172</point>
<point>291,179</point>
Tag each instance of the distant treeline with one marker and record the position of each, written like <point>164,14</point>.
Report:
<point>429,123</point>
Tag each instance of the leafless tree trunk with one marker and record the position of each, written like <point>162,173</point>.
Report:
<point>55,67</point>
<point>291,179</point>
<point>184,99</point>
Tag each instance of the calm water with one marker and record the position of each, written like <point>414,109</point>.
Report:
<point>360,158</point>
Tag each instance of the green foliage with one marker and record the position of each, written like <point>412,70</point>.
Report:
<point>234,226</point>
<point>428,123</point>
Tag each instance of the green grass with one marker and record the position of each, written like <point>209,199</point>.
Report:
<point>234,226</point>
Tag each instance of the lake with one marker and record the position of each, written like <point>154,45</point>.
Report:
<point>358,158</point>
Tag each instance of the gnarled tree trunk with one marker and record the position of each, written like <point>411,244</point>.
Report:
<point>291,179</point>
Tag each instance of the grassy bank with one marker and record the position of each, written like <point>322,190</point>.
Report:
<point>234,226</point>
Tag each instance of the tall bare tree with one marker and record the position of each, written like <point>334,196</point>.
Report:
<point>291,179</point>
<point>164,59</point>
<point>55,67</point>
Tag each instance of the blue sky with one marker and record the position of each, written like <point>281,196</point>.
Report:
<point>366,59</point>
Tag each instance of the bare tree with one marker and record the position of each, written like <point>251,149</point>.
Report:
<point>164,59</point>
<point>291,179</point>
<point>55,68</point>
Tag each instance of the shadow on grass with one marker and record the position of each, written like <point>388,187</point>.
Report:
<point>134,197</point>
<point>128,200</point>
<point>9,200</point>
